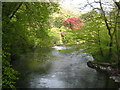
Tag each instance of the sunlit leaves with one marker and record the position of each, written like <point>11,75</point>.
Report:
<point>95,32</point>
<point>26,29</point>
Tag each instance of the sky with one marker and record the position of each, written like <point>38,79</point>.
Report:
<point>72,5</point>
<point>77,4</point>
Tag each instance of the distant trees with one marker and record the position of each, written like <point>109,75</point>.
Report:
<point>59,17</point>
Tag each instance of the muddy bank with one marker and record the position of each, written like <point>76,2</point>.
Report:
<point>113,73</point>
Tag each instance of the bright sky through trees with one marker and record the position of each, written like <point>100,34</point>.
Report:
<point>75,5</point>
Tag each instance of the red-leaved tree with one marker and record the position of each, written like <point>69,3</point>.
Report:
<point>73,23</point>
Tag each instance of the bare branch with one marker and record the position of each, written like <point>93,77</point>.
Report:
<point>117,4</point>
<point>15,10</point>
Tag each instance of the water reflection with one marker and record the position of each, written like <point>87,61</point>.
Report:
<point>52,68</point>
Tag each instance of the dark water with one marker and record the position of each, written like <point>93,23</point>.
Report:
<point>53,68</point>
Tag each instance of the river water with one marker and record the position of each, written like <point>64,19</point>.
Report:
<point>58,67</point>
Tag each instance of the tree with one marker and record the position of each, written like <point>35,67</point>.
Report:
<point>24,27</point>
<point>59,17</point>
<point>110,17</point>
<point>73,23</point>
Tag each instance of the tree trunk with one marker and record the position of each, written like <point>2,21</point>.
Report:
<point>109,31</point>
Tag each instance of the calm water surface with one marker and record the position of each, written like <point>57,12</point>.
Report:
<point>55,68</point>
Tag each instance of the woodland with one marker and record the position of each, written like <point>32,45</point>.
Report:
<point>29,25</point>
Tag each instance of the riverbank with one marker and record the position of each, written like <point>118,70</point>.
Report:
<point>113,73</point>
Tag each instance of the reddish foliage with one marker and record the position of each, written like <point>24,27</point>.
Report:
<point>73,23</point>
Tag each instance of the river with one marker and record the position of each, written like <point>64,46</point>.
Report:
<point>58,67</point>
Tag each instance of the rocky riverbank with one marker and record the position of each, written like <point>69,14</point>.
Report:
<point>113,73</point>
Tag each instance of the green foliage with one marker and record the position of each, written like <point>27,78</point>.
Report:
<point>70,37</point>
<point>62,35</point>
<point>8,73</point>
<point>58,18</point>
<point>55,36</point>
<point>25,26</point>
<point>97,38</point>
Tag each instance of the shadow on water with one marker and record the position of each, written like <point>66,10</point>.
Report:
<point>59,67</point>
